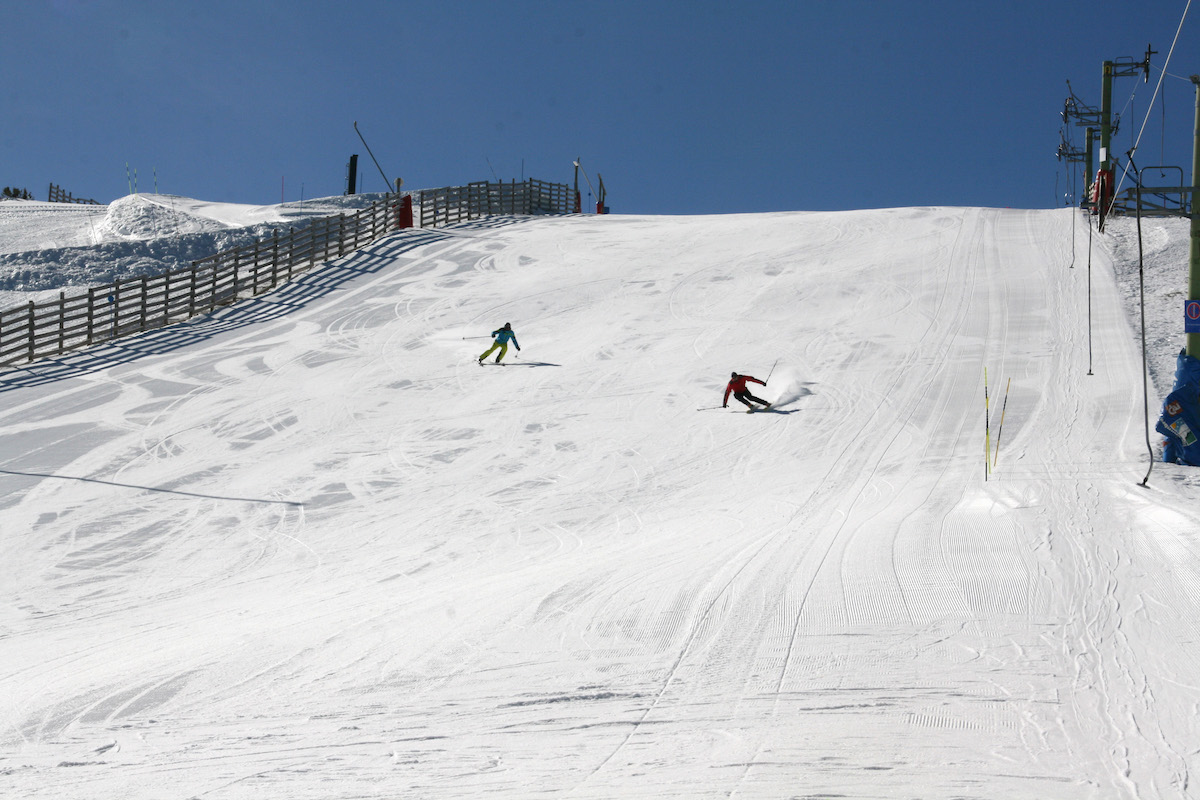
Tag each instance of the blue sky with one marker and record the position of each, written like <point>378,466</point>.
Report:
<point>683,106</point>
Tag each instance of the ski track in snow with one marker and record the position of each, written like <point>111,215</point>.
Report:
<point>306,548</point>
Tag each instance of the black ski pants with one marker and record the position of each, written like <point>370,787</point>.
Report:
<point>746,397</point>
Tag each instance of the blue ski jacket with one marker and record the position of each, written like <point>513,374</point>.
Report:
<point>505,335</point>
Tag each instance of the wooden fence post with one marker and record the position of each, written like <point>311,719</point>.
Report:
<point>237,257</point>
<point>291,243</point>
<point>192,289</point>
<point>31,331</point>
<point>274,258</point>
<point>254,273</point>
<point>144,301</point>
<point>62,321</point>
<point>166,308</point>
<point>91,315</point>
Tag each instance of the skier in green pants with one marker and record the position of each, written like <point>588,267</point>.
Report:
<point>502,336</point>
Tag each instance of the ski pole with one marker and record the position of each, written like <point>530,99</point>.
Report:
<point>769,374</point>
<point>1000,430</point>
<point>709,408</point>
<point>476,337</point>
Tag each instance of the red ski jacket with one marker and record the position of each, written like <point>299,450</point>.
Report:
<point>738,384</point>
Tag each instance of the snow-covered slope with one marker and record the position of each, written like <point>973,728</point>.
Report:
<point>307,548</point>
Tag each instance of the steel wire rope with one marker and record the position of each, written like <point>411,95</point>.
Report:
<point>1142,296</point>
<point>1162,130</point>
<point>1183,78</point>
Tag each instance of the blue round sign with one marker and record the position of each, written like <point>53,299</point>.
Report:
<point>1191,313</point>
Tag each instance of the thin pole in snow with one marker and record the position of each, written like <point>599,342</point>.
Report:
<point>987,427</point>
<point>1000,430</point>
<point>772,372</point>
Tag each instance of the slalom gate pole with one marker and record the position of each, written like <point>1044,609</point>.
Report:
<point>772,372</point>
<point>1000,430</point>
<point>987,429</point>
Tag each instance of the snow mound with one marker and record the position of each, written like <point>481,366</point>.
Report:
<point>141,217</point>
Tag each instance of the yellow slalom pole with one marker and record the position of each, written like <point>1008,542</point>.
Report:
<point>987,427</point>
<point>1000,430</point>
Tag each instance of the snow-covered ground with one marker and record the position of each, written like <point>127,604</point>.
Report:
<point>307,548</point>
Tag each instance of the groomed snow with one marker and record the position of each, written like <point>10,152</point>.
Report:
<point>308,548</point>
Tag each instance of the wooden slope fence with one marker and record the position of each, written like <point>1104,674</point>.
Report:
<point>59,195</point>
<point>134,305</point>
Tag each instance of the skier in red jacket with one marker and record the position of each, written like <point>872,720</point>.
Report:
<point>737,385</point>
